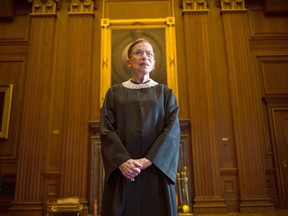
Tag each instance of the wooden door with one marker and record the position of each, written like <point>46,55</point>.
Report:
<point>281,138</point>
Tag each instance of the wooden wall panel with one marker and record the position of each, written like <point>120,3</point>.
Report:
<point>6,10</point>
<point>262,25</point>
<point>280,127</point>
<point>277,109</point>
<point>276,7</point>
<point>269,47</point>
<point>13,67</point>
<point>132,9</point>
<point>274,73</point>
<point>18,31</point>
<point>12,71</point>
<point>230,188</point>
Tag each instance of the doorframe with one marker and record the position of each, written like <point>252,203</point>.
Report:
<point>273,104</point>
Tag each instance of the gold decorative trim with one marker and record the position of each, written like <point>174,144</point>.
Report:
<point>82,7</point>
<point>194,6</point>
<point>233,5</point>
<point>44,7</point>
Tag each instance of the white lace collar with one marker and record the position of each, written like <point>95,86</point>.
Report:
<point>131,85</point>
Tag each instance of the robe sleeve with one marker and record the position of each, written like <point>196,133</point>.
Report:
<point>112,149</point>
<point>164,152</point>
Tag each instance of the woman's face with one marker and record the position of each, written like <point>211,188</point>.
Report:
<point>141,60</point>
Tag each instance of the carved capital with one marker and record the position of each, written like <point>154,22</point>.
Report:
<point>233,5</point>
<point>81,7</point>
<point>44,7</point>
<point>194,6</point>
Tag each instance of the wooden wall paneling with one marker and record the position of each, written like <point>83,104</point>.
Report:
<point>12,71</point>
<point>272,186</point>
<point>13,63</point>
<point>267,26</point>
<point>269,157</point>
<point>52,169</point>
<point>230,188</point>
<point>246,102</point>
<point>223,113</point>
<point>277,109</point>
<point>51,186</point>
<point>280,117</point>
<point>16,31</point>
<point>205,153</point>
<point>6,10</point>
<point>272,70</point>
<point>276,7</point>
<point>280,127</point>
<point>77,107</point>
<point>269,46</point>
<point>33,135</point>
<point>137,9</point>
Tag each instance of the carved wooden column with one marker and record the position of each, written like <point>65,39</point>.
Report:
<point>77,104</point>
<point>33,135</point>
<point>205,153</point>
<point>246,103</point>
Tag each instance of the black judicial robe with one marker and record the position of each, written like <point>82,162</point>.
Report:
<point>135,123</point>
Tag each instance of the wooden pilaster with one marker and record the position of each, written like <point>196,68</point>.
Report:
<point>77,106</point>
<point>34,133</point>
<point>246,102</point>
<point>205,154</point>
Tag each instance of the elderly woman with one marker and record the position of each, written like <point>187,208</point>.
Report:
<point>140,138</point>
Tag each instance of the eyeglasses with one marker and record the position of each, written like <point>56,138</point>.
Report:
<point>140,52</point>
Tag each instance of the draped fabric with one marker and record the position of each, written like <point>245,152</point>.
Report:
<point>137,123</point>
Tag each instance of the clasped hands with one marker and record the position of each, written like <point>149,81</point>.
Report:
<point>132,168</point>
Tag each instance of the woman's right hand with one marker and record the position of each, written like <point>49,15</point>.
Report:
<point>130,169</point>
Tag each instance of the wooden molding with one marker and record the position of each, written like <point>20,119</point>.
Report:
<point>44,7</point>
<point>233,5</point>
<point>82,7</point>
<point>194,6</point>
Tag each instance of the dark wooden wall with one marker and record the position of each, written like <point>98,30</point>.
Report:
<point>232,61</point>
